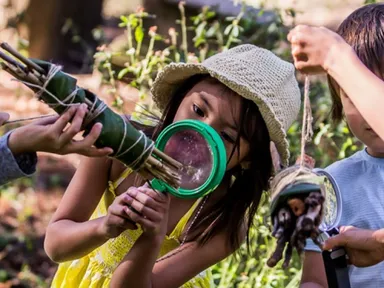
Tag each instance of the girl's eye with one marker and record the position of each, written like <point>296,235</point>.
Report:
<point>228,138</point>
<point>198,111</point>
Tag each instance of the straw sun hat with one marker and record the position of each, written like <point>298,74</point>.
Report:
<point>253,73</point>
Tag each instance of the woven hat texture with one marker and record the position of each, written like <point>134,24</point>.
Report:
<point>252,72</point>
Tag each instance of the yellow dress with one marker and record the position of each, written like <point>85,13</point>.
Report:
<point>96,268</point>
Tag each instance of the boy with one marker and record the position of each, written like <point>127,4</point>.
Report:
<point>361,176</point>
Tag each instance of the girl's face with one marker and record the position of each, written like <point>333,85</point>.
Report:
<point>210,103</point>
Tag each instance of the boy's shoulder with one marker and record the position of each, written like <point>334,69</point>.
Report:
<point>346,163</point>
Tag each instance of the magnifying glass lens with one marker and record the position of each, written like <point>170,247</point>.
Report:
<point>191,149</point>
<point>330,206</point>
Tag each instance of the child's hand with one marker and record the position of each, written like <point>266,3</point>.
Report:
<point>47,135</point>
<point>314,49</point>
<point>117,220</point>
<point>3,117</point>
<point>150,209</point>
<point>364,247</point>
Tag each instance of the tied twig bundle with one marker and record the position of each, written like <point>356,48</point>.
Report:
<point>298,195</point>
<point>59,91</point>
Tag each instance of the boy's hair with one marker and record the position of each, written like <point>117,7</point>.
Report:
<point>364,31</point>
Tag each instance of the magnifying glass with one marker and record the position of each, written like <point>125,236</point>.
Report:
<point>201,151</point>
<point>306,203</point>
<point>335,260</point>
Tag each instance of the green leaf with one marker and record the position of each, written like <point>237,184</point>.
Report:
<point>199,41</point>
<point>139,34</point>
<point>235,31</point>
<point>211,31</point>
<point>123,72</point>
<point>228,29</point>
<point>210,14</point>
<point>158,37</point>
<point>196,20</point>
<point>124,19</point>
<point>200,28</point>
<point>134,22</point>
<point>230,18</point>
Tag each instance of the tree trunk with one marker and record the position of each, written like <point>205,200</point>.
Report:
<point>72,48</point>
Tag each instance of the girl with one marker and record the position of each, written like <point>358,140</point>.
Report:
<point>250,97</point>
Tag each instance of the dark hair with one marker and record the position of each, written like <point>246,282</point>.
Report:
<point>239,205</point>
<point>364,31</point>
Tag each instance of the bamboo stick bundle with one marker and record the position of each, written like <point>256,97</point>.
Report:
<point>59,90</point>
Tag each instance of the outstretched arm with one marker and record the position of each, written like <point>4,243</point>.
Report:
<point>318,50</point>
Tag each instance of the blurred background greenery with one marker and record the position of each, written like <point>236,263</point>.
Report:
<point>116,49</point>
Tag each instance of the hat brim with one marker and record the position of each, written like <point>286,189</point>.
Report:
<point>175,74</point>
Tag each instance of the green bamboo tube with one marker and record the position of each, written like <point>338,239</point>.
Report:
<point>112,135</point>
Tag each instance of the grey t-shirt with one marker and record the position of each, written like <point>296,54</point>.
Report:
<point>361,181</point>
<point>14,166</point>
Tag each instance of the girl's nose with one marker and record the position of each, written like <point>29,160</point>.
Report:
<point>211,122</point>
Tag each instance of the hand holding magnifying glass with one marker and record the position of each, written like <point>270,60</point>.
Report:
<point>364,247</point>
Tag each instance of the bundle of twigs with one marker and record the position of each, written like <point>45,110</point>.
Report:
<point>59,91</point>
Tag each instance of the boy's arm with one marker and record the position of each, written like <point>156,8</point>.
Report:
<point>15,166</point>
<point>317,49</point>
<point>313,271</point>
<point>362,86</point>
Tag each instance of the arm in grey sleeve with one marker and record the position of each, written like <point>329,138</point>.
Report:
<point>311,246</point>
<point>14,166</point>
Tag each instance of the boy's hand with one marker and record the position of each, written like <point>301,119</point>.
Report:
<point>309,162</point>
<point>315,49</point>
<point>364,247</point>
<point>3,117</point>
<point>48,135</point>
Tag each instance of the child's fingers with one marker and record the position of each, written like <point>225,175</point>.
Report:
<point>46,121</point>
<point>85,147</point>
<point>91,138</point>
<point>139,219</point>
<point>120,218</point>
<point>75,126</point>
<point>63,120</point>
<point>125,223</point>
<point>119,211</point>
<point>141,209</point>
<point>156,195</point>
<point>145,199</point>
